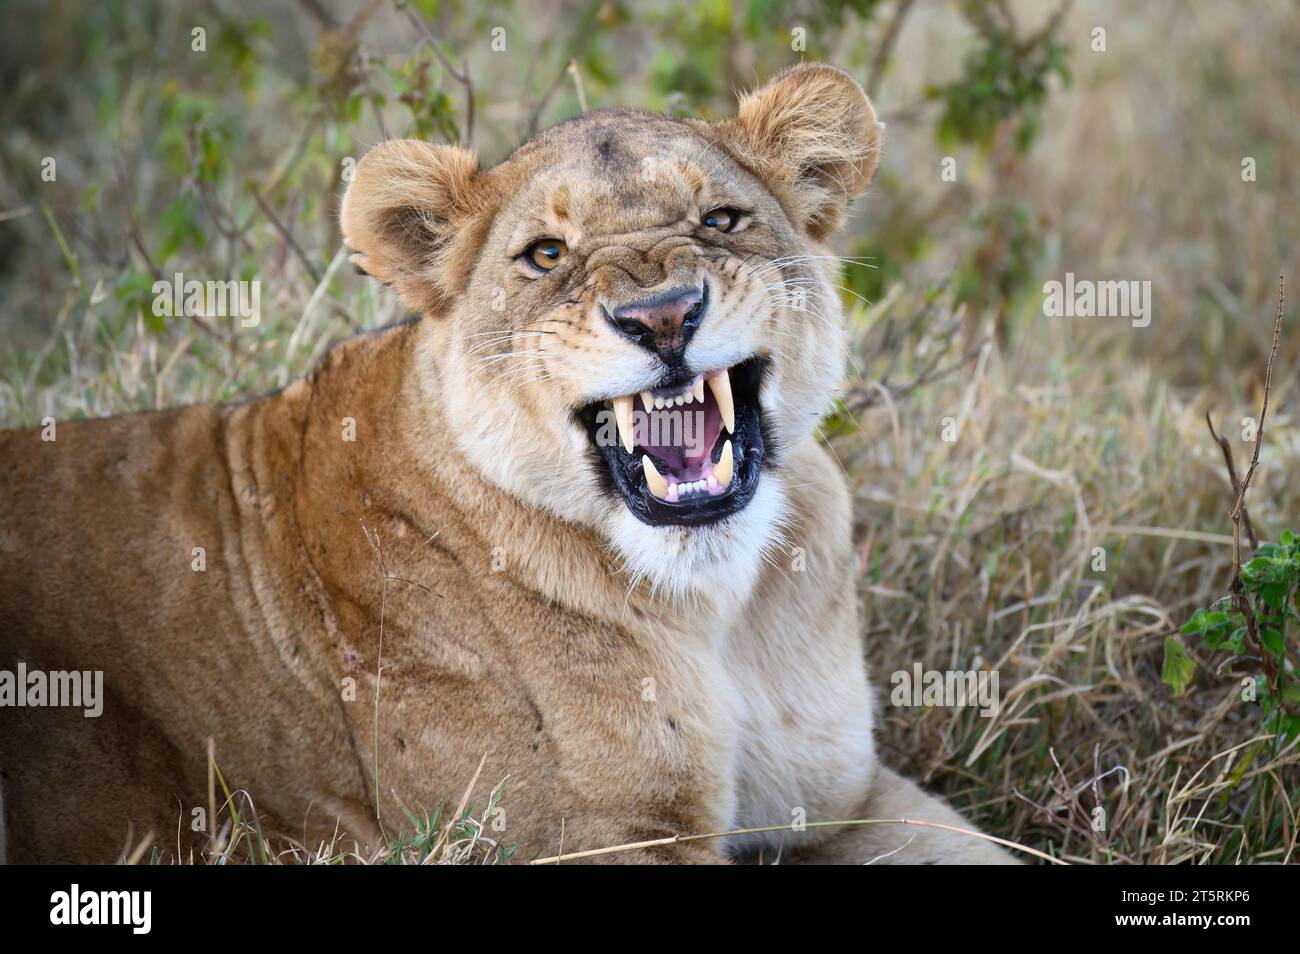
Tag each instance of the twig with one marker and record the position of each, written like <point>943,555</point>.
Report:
<point>578,42</point>
<point>358,22</point>
<point>886,49</point>
<point>364,64</point>
<point>1238,588</point>
<point>462,76</point>
<point>299,149</point>
<point>286,235</point>
<point>1232,476</point>
<point>1048,28</point>
<point>319,14</point>
<point>1268,386</point>
<point>577,84</point>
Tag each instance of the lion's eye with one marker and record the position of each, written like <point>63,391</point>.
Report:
<point>547,253</point>
<point>724,220</point>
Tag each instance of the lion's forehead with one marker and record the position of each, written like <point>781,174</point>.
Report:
<point>618,173</point>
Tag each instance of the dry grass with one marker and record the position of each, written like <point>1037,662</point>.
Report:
<point>239,835</point>
<point>980,553</point>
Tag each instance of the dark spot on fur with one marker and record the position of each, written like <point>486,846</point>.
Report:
<point>539,724</point>
<point>613,155</point>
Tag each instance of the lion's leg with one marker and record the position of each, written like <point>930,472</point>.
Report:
<point>892,796</point>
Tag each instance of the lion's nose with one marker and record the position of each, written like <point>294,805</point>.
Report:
<point>664,322</point>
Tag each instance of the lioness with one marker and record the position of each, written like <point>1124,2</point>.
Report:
<point>488,522</point>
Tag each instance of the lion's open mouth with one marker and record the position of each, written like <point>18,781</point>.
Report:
<point>684,453</point>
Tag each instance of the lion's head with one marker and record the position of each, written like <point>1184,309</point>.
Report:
<point>633,318</point>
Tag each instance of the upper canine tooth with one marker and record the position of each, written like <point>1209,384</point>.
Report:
<point>623,415</point>
<point>720,384</point>
<point>722,469</point>
<point>698,388</point>
<point>647,401</point>
<point>654,480</point>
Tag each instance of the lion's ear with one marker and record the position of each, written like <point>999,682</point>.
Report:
<point>811,135</point>
<point>414,217</point>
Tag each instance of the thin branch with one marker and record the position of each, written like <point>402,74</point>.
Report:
<point>358,21</point>
<point>1232,476</point>
<point>1268,387</point>
<point>578,42</point>
<point>462,76</point>
<point>577,85</point>
<point>1238,588</point>
<point>286,235</point>
<point>319,14</point>
<point>886,49</point>
<point>1048,28</point>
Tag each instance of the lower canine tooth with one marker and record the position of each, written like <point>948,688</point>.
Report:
<point>654,480</point>
<point>722,469</point>
<point>623,415</point>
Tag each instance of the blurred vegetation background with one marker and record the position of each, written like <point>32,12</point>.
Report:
<point>214,138</point>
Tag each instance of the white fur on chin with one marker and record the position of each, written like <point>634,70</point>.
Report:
<point>717,564</point>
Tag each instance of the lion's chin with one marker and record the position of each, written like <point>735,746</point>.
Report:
<point>688,453</point>
<point>717,563</point>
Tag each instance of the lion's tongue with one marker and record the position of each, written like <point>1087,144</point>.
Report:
<point>681,439</point>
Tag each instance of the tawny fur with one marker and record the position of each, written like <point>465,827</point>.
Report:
<point>632,681</point>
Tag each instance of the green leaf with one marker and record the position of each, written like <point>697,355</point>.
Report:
<point>179,224</point>
<point>1275,595</point>
<point>1196,624</point>
<point>1179,667</point>
<point>1286,724</point>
